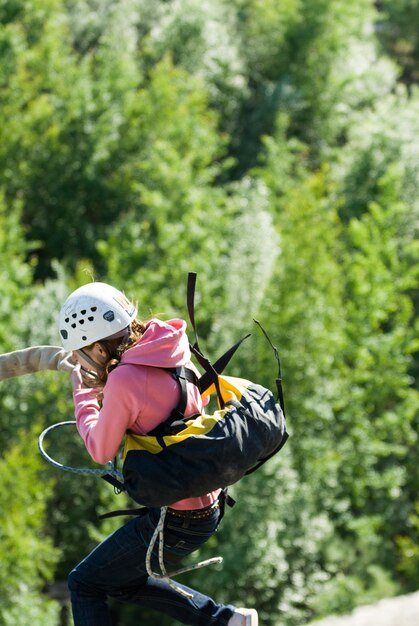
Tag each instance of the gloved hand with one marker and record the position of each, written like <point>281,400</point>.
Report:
<point>34,359</point>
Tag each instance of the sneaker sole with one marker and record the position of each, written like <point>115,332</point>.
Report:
<point>252,619</point>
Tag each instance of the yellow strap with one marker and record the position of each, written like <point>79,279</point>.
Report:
<point>201,425</point>
<point>232,389</point>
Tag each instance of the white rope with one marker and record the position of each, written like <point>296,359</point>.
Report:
<point>159,530</point>
<point>159,533</point>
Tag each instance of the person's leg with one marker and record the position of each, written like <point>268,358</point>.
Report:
<point>200,610</point>
<point>90,581</point>
<point>117,568</point>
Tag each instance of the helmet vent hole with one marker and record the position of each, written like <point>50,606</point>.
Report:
<point>73,326</point>
<point>81,321</point>
<point>74,315</point>
<point>67,319</point>
<point>83,312</point>
<point>91,318</point>
<point>93,308</point>
<point>84,338</point>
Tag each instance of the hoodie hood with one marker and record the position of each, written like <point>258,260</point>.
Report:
<point>163,344</point>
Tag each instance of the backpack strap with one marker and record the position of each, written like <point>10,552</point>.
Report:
<point>118,485</point>
<point>190,301</point>
<point>195,349</point>
<point>266,458</point>
<point>278,379</point>
<point>182,375</point>
<point>207,379</point>
<point>211,371</point>
<point>175,422</point>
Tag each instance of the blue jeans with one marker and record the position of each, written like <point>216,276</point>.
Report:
<point>116,568</point>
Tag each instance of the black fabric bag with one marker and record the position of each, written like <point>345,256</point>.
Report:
<point>210,452</point>
<point>189,457</point>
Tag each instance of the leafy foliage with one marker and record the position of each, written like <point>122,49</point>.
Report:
<point>15,273</point>
<point>273,148</point>
<point>399,34</point>
<point>27,554</point>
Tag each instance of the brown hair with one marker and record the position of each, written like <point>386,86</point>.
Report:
<point>114,350</point>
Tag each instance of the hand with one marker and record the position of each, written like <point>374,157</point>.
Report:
<point>66,363</point>
<point>76,378</point>
<point>84,379</point>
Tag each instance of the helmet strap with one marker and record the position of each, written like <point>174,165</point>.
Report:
<point>123,334</point>
<point>96,366</point>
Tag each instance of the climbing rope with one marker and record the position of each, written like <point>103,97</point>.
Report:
<point>110,468</point>
<point>159,534</point>
<point>159,530</point>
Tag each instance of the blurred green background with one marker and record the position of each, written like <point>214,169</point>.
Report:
<point>273,147</point>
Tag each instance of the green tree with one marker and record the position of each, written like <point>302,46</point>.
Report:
<point>398,31</point>
<point>15,273</point>
<point>315,61</point>
<point>381,266</point>
<point>201,37</point>
<point>45,398</point>
<point>175,215</point>
<point>112,120</point>
<point>342,411</point>
<point>381,137</point>
<point>60,118</point>
<point>276,542</point>
<point>27,554</point>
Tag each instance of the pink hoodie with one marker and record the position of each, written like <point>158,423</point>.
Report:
<point>139,395</point>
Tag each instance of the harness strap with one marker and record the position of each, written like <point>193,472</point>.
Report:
<point>138,512</point>
<point>116,484</point>
<point>195,349</point>
<point>278,381</point>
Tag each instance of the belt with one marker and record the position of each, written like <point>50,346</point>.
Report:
<point>195,513</point>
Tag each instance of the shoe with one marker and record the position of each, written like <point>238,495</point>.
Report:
<point>244,617</point>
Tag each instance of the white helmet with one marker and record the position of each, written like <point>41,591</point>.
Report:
<point>93,312</point>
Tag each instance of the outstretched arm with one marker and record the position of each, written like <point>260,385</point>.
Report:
<point>34,359</point>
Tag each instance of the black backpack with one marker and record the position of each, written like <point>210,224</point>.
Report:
<point>189,457</point>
